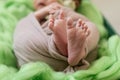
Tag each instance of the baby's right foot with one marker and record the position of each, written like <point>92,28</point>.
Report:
<point>58,26</point>
<point>76,41</point>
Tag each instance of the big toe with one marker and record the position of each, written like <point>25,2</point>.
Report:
<point>71,30</point>
<point>69,23</point>
<point>51,22</point>
<point>61,15</point>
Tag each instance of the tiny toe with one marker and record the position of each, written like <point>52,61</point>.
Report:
<point>51,22</point>
<point>69,23</point>
<point>78,24</point>
<point>51,25</point>
<point>85,28</point>
<point>61,15</point>
<point>88,33</point>
<point>83,24</point>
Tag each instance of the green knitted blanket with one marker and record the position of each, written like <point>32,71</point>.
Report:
<point>106,67</point>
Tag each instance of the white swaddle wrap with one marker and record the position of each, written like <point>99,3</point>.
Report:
<point>32,43</point>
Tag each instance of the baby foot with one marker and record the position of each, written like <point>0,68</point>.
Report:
<point>76,36</point>
<point>58,26</point>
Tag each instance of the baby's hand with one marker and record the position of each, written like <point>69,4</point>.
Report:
<point>42,13</point>
<point>53,7</point>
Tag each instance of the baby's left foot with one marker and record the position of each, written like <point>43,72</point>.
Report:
<point>58,26</point>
